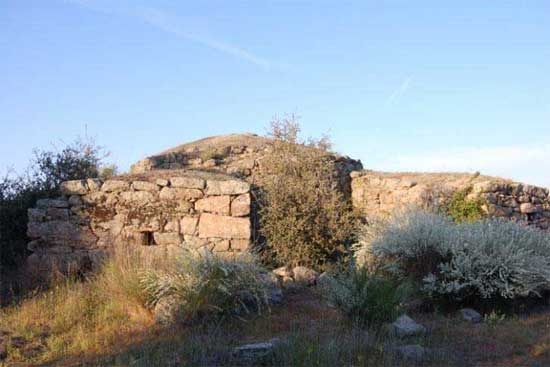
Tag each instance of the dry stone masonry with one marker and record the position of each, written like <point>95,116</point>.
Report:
<point>156,212</point>
<point>379,194</point>
<point>199,195</point>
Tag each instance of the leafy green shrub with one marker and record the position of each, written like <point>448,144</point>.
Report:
<point>304,216</point>
<point>464,209</point>
<point>368,299</point>
<point>489,259</point>
<point>206,285</point>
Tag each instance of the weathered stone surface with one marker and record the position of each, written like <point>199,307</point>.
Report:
<point>138,198</point>
<point>115,185</point>
<point>220,226</point>
<point>405,326</point>
<point>75,200</point>
<point>240,206</point>
<point>94,184</point>
<point>304,276</point>
<point>36,215</point>
<point>255,352</point>
<point>240,245</point>
<point>162,182</point>
<point>188,182</point>
<point>214,204</point>
<point>61,233</point>
<point>145,186</point>
<point>221,246</point>
<point>229,187</point>
<point>74,187</point>
<point>172,225</point>
<point>177,193</point>
<point>471,315</point>
<point>528,208</point>
<point>283,271</point>
<point>188,225</point>
<point>57,213</point>
<point>52,203</point>
<point>167,238</point>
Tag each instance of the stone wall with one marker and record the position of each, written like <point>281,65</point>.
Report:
<point>239,155</point>
<point>379,194</point>
<point>156,212</point>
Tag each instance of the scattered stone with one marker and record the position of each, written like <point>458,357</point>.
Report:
<point>305,276</point>
<point>325,280</point>
<point>18,341</point>
<point>283,271</point>
<point>471,315</point>
<point>274,292</point>
<point>255,351</point>
<point>405,326</point>
<point>412,352</point>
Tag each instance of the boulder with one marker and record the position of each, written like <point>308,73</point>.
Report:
<point>305,276</point>
<point>404,326</point>
<point>283,271</point>
<point>256,351</point>
<point>471,315</point>
<point>325,280</point>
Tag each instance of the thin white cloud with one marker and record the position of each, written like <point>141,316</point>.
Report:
<point>529,164</point>
<point>399,91</point>
<point>171,24</point>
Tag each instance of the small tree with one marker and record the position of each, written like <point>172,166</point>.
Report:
<point>304,216</point>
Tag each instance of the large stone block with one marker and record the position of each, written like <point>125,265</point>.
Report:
<point>167,238</point>
<point>188,225</point>
<point>115,185</point>
<point>58,232</point>
<point>137,198</point>
<point>145,186</point>
<point>52,203</point>
<point>188,182</point>
<point>214,204</point>
<point>220,226</point>
<point>228,187</point>
<point>74,187</point>
<point>177,193</point>
<point>240,206</point>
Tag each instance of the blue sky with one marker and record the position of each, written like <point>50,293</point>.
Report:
<point>402,85</point>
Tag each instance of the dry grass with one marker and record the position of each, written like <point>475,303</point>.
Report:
<point>102,322</point>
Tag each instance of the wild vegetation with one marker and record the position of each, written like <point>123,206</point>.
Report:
<point>193,308</point>
<point>47,169</point>
<point>304,217</point>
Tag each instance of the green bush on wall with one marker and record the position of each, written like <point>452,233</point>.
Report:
<point>463,209</point>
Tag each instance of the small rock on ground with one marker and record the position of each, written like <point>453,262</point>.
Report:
<point>305,276</point>
<point>405,326</point>
<point>471,315</point>
<point>255,351</point>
